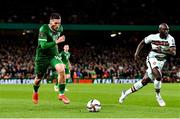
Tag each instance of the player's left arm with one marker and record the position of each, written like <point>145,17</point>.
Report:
<point>138,49</point>
<point>42,38</point>
<point>171,51</point>
<point>172,48</point>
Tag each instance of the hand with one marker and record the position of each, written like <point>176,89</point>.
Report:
<point>171,51</point>
<point>60,39</point>
<point>159,49</point>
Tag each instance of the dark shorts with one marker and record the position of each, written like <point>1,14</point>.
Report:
<point>67,71</point>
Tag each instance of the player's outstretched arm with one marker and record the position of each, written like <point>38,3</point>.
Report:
<point>45,44</point>
<point>138,49</point>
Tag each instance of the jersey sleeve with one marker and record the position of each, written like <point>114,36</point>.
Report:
<point>172,43</point>
<point>42,34</point>
<point>148,39</point>
<point>42,38</point>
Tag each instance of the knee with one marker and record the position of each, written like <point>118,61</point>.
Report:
<point>145,81</point>
<point>158,78</point>
<point>68,76</point>
<point>39,76</point>
<point>60,68</point>
<point>157,73</point>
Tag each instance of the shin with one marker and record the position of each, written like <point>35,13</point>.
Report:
<point>157,81</point>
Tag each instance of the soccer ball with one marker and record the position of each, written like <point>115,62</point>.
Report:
<point>94,105</point>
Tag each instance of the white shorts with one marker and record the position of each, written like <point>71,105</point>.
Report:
<point>152,63</point>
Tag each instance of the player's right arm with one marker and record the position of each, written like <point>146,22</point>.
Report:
<point>43,39</point>
<point>44,44</point>
<point>138,49</point>
<point>60,39</point>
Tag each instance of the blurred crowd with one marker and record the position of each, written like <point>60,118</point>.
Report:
<point>92,11</point>
<point>16,59</point>
<point>90,58</point>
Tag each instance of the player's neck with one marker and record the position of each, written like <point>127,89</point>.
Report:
<point>162,36</point>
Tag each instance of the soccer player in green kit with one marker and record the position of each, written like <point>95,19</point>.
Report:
<point>47,54</point>
<point>65,55</point>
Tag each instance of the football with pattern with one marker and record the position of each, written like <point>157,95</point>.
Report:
<point>94,105</point>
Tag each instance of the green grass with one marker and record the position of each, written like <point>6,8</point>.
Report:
<point>15,102</point>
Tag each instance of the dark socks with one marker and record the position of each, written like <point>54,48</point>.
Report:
<point>62,88</point>
<point>36,88</point>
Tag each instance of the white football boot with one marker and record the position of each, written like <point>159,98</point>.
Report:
<point>123,96</point>
<point>56,88</point>
<point>160,100</point>
<point>66,89</point>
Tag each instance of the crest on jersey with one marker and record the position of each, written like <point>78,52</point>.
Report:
<point>41,34</point>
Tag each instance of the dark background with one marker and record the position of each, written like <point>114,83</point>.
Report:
<point>145,12</point>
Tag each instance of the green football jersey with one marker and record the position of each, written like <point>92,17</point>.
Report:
<point>65,57</point>
<point>46,41</point>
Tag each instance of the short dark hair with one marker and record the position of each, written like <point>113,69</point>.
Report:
<point>55,16</point>
<point>163,24</point>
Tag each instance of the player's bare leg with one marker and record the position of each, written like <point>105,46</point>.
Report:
<point>138,85</point>
<point>157,86</point>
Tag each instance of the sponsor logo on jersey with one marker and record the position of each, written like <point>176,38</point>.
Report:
<point>162,43</point>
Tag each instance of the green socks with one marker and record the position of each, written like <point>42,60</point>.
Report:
<point>36,88</point>
<point>62,88</point>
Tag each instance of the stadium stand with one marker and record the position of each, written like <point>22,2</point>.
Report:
<point>101,57</point>
<point>93,11</point>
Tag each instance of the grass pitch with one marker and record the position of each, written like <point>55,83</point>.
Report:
<point>15,102</point>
